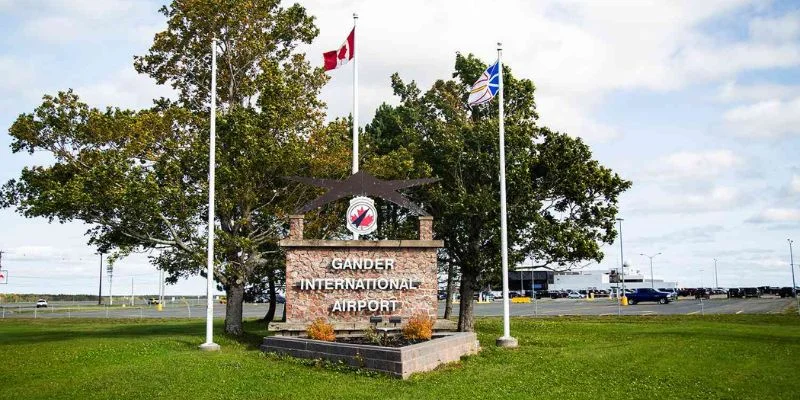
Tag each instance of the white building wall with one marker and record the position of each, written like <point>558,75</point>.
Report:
<point>599,280</point>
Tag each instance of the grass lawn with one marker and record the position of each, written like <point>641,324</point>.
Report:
<point>677,357</point>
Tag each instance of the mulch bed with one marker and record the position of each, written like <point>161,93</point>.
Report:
<point>390,341</point>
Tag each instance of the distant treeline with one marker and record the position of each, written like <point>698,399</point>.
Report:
<point>32,297</point>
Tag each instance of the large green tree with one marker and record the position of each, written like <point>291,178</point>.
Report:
<point>561,203</point>
<point>140,177</point>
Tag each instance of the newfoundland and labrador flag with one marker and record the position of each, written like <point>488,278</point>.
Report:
<point>486,87</point>
<point>336,58</point>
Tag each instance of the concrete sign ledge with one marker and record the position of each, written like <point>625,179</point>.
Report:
<point>399,362</point>
<point>361,243</point>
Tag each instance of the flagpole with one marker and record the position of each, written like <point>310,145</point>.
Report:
<point>209,345</point>
<point>355,96</point>
<point>355,102</point>
<point>506,340</point>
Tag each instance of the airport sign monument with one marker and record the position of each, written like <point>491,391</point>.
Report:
<point>357,285</point>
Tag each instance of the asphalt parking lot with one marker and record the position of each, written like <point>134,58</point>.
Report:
<point>549,307</point>
<point>537,308</point>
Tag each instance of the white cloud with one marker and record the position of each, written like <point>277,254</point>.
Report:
<point>732,92</point>
<point>125,89</point>
<point>575,52</point>
<point>783,28</point>
<point>16,74</point>
<point>64,21</point>
<point>777,215</point>
<point>688,165</point>
<point>794,185</point>
<point>770,118</point>
<point>715,199</point>
<point>55,29</point>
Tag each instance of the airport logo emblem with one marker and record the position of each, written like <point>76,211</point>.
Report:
<point>362,217</point>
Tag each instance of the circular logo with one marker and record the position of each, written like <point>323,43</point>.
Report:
<point>362,218</point>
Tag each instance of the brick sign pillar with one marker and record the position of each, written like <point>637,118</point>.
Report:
<point>347,281</point>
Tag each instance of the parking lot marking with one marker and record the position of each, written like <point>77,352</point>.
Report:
<point>692,313</point>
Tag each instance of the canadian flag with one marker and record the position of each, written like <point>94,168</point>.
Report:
<point>336,58</point>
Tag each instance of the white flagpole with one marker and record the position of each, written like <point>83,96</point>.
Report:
<point>209,345</point>
<point>506,340</point>
<point>355,96</point>
<point>355,102</point>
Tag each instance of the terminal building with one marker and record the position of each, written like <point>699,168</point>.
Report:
<point>599,279</point>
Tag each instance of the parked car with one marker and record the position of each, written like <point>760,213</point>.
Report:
<point>648,294</point>
<point>41,303</point>
<point>787,292</point>
<point>672,293</point>
<point>752,292</point>
<point>575,295</point>
<point>735,293</point>
<point>487,295</point>
<point>702,293</point>
<point>153,301</point>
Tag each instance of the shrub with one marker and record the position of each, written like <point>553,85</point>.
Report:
<point>371,335</point>
<point>321,330</point>
<point>419,327</point>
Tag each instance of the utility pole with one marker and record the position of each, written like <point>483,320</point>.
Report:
<point>652,284</point>
<point>110,273</point>
<point>100,291</point>
<point>132,292</point>
<point>716,280</point>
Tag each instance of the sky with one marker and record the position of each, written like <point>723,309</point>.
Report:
<point>697,103</point>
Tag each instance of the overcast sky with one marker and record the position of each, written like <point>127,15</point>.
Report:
<point>696,102</point>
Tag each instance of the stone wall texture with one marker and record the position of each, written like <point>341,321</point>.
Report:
<point>398,362</point>
<point>425,228</point>
<point>313,262</point>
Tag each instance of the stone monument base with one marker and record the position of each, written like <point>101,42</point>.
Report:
<point>399,362</point>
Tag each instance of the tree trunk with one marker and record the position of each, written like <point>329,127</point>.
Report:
<point>233,310</point>
<point>272,297</point>
<point>466,319</point>
<point>448,303</point>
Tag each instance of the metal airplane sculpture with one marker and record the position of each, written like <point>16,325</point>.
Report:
<point>362,184</point>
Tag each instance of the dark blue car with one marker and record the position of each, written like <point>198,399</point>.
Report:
<point>648,294</point>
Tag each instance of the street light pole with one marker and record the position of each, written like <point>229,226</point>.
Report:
<point>652,284</point>
<point>794,285</point>
<point>716,278</point>
<point>100,291</point>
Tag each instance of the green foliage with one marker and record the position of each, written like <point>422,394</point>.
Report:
<point>688,357</point>
<point>561,203</point>
<point>139,178</point>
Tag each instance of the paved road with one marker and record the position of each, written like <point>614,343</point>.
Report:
<point>548,307</point>
<point>544,307</point>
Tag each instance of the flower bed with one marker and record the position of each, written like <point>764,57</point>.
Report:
<point>399,362</point>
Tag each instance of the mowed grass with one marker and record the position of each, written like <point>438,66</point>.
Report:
<point>680,357</point>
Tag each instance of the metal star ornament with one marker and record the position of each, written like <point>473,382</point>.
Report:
<point>362,184</point>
